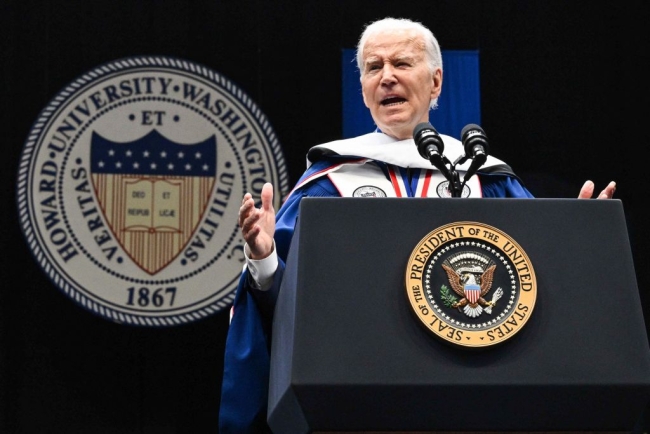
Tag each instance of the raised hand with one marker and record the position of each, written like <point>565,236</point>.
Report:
<point>258,224</point>
<point>587,191</point>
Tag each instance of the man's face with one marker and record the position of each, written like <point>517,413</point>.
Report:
<point>396,82</point>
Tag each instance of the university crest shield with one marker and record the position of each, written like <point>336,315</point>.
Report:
<point>153,193</point>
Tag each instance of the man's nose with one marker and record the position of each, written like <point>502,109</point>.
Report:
<point>388,74</point>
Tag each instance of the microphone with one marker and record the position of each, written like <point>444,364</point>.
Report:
<point>476,147</point>
<point>430,146</point>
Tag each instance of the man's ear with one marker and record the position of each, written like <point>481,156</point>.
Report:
<point>436,78</point>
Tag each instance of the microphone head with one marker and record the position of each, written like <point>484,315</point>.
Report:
<point>425,135</point>
<point>471,136</point>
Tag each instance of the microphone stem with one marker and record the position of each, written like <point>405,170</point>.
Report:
<point>455,185</point>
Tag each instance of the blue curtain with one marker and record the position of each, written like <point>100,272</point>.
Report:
<point>459,103</point>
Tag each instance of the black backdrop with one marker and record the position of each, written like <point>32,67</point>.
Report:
<point>564,98</point>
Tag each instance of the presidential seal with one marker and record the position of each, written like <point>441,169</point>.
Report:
<point>471,284</point>
<point>130,183</point>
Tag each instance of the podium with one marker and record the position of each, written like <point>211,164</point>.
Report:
<point>349,355</point>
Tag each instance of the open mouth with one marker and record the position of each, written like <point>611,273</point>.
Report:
<point>394,100</point>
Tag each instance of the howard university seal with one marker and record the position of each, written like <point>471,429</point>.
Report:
<point>471,284</point>
<point>130,183</point>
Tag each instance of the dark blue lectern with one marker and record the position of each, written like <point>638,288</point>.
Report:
<point>348,354</point>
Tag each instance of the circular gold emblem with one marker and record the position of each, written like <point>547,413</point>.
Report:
<point>471,284</point>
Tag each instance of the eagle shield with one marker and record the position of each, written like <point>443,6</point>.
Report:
<point>472,292</point>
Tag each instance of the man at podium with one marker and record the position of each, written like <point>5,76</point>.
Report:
<point>401,78</point>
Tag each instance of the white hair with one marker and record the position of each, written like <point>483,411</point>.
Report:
<point>431,47</point>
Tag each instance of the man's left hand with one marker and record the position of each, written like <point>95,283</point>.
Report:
<point>587,191</point>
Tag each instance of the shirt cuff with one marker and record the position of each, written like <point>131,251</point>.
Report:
<point>261,270</point>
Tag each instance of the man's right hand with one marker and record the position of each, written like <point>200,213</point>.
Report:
<point>258,224</point>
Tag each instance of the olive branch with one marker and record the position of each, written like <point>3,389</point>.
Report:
<point>448,299</point>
